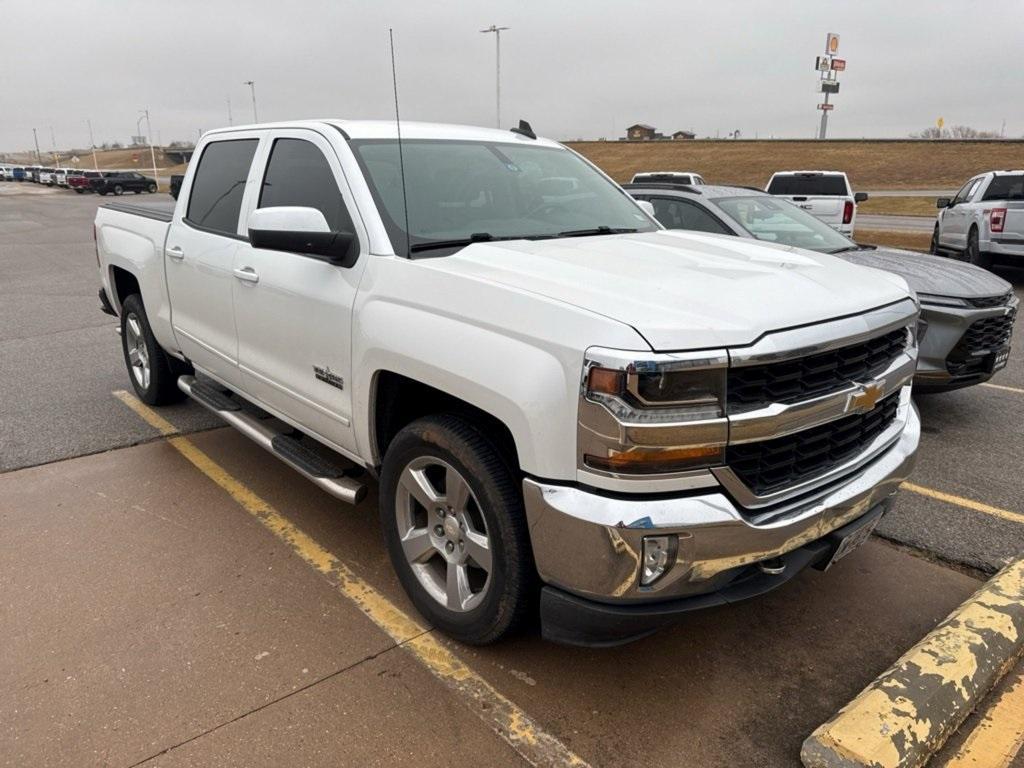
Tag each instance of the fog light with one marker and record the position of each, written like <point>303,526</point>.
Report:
<point>659,553</point>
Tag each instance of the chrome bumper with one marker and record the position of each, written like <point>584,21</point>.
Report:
<point>589,544</point>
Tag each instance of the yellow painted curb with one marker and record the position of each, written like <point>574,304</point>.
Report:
<point>907,713</point>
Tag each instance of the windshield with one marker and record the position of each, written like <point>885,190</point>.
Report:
<point>779,221</point>
<point>475,190</point>
<point>808,184</point>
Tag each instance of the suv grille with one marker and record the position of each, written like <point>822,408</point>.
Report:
<point>793,380</point>
<point>991,301</point>
<point>985,335</point>
<point>772,465</point>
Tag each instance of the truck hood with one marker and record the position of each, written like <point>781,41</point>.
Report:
<point>682,290</point>
<point>926,273</point>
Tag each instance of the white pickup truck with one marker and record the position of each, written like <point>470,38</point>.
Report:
<point>567,408</point>
<point>826,195</point>
<point>984,221</point>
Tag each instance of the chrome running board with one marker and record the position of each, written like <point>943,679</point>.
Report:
<point>307,463</point>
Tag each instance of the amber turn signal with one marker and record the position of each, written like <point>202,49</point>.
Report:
<point>654,461</point>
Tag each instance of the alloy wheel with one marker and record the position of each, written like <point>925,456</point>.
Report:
<point>443,533</point>
<point>138,354</point>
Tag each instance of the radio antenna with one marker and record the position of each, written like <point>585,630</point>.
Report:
<point>401,159</point>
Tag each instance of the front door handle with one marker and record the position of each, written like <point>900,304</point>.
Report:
<point>248,274</point>
<point>175,253</point>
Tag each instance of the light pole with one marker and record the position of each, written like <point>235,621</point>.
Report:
<point>497,69</point>
<point>35,138</point>
<point>252,88</point>
<point>152,152</point>
<point>230,121</point>
<point>92,144</point>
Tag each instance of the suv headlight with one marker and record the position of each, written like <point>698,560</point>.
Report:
<point>658,414</point>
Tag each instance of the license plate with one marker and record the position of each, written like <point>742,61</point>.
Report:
<point>998,359</point>
<point>851,542</point>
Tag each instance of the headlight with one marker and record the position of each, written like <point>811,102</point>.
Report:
<point>941,301</point>
<point>652,415</point>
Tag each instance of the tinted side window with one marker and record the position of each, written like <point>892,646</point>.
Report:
<point>964,190</point>
<point>216,197</point>
<point>680,214</point>
<point>298,174</point>
<point>1005,188</point>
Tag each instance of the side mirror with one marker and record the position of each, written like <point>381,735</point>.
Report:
<point>301,230</point>
<point>647,206</point>
<point>942,202</point>
<point>860,197</point>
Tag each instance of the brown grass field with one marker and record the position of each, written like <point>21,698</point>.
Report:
<point>869,164</point>
<point>136,159</point>
<point>899,206</point>
<point>912,241</point>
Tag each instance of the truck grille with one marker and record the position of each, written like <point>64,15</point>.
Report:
<point>772,465</point>
<point>983,336</point>
<point>794,380</point>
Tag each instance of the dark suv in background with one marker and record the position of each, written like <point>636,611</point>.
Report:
<point>119,182</point>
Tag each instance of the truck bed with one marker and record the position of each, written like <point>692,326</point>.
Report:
<point>161,211</point>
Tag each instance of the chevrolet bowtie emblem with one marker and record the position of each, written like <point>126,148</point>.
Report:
<point>865,398</point>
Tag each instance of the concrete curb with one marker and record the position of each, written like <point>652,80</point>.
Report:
<point>903,717</point>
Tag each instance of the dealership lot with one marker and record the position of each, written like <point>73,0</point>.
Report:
<point>153,612</point>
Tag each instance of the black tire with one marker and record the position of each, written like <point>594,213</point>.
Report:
<point>118,189</point>
<point>78,190</point>
<point>101,193</point>
<point>151,188</point>
<point>973,252</point>
<point>510,593</point>
<point>164,370</point>
<point>934,248</point>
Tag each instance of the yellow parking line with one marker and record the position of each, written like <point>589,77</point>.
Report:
<point>997,738</point>
<point>503,716</point>
<point>960,501</point>
<point>1018,390</point>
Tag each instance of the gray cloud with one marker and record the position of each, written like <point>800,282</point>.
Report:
<point>574,68</point>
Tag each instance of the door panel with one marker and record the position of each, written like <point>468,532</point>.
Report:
<point>294,322</point>
<point>200,253</point>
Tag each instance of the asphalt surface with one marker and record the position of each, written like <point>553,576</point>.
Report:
<point>896,223</point>
<point>146,617</point>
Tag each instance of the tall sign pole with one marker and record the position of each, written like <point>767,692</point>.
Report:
<point>827,67</point>
<point>252,90</point>
<point>92,144</point>
<point>497,69</point>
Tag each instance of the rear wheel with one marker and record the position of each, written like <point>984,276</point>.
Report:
<point>973,252</point>
<point>78,190</point>
<point>452,515</point>
<point>118,189</point>
<point>935,242</point>
<point>151,188</point>
<point>154,374</point>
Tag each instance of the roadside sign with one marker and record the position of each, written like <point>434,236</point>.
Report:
<point>829,86</point>
<point>821,64</point>
<point>75,159</point>
<point>940,122</point>
<point>839,65</point>
<point>832,44</point>
<point>135,158</point>
<point>826,107</point>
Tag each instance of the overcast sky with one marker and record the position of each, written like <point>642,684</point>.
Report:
<point>574,68</point>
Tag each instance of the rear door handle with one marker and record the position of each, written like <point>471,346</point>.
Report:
<point>248,274</point>
<point>175,253</point>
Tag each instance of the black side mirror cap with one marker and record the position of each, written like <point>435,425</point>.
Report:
<point>942,202</point>
<point>860,197</point>
<point>338,248</point>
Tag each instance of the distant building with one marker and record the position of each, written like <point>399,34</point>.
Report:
<point>642,132</point>
<point>683,135</point>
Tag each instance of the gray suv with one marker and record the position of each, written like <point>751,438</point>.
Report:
<point>967,313</point>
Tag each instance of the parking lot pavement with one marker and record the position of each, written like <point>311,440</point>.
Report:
<point>124,575</point>
<point>59,355</point>
<point>147,614</point>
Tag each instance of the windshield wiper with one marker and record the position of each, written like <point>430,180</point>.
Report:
<point>476,237</point>
<point>846,249</point>
<point>602,230</point>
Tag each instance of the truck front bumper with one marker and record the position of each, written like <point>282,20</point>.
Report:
<point>588,546</point>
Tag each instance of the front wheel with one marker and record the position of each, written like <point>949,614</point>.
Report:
<point>151,188</point>
<point>452,515</point>
<point>154,373</point>
<point>118,190</point>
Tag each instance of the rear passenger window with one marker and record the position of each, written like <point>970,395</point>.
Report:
<point>680,214</point>
<point>215,200</point>
<point>298,174</point>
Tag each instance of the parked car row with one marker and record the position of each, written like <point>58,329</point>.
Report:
<point>101,182</point>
